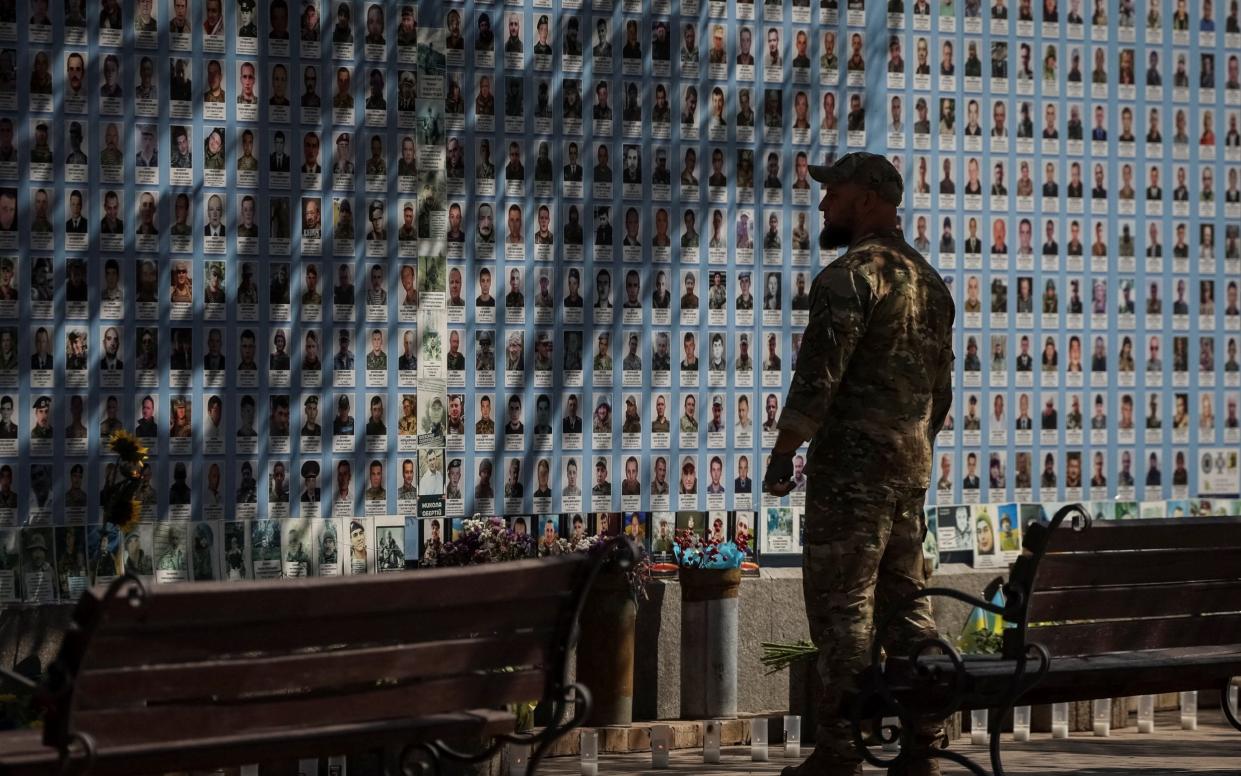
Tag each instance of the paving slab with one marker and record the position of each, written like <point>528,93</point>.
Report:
<point>1214,748</point>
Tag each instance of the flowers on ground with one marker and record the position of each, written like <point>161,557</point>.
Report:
<point>481,540</point>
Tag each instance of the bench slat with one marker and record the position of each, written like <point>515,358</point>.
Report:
<point>235,605</point>
<point>1101,569</point>
<point>118,647</point>
<point>1188,533</point>
<point>172,723</point>
<point>303,740</point>
<point>321,671</point>
<point>1097,676</point>
<point>1126,635</point>
<point>1136,601</point>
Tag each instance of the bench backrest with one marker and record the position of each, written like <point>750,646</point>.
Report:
<point>1133,585</point>
<point>212,659</point>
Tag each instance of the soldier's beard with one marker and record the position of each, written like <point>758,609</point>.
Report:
<point>835,236</point>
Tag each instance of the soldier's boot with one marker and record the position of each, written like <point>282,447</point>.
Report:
<point>822,763</point>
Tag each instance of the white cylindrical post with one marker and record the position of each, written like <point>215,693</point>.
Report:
<point>1021,723</point>
<point>758,739</point>
<point>1059,720</point>
<point>1146,714</point>
<point>792,735</point>
<point>711,742</point>
<point>1101,715</point>
<point>978,726</point>
<point>1189,710</point>
<point>590,752</point>
<point>661,741</point>
<point>1234,700</point>
<point>518,758</point>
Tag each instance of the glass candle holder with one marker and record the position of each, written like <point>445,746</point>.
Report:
<point>589,747</point>
<point>518,759</point>
<point>1189,710</point>
<point>1146,714</point>
<point>711,742</point>
<point>895,744</point>
<point>1059,720</point>
<point>758,739</point>
<point>792,735</point>
<point>1101,716</point>
<point>1021,723</point>
<point>661,741</point>
<point>978,726</point>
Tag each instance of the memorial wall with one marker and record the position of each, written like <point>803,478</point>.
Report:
<point>356,270</point>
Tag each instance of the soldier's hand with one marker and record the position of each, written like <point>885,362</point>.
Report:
<point>778,479</point>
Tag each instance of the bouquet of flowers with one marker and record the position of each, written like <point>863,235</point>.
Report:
<point>698,551</point>
<point>637,573</point>
<point>482,540</point>
<point>122,506</point>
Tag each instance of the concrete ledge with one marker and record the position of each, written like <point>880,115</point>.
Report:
<point>637,737</point>
<point>771,609</point>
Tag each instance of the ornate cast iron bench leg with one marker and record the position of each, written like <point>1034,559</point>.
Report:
<point>1229,713</point>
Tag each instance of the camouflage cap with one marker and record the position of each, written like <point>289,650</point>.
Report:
<point>871,171</point>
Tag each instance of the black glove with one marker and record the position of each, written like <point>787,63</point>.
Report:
<point>779,470</point>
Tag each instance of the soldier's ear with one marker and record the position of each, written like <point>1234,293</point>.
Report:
<point>864,200</point>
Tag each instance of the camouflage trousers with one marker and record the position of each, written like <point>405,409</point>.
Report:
<point>863,552</point>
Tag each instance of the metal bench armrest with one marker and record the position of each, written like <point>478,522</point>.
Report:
<point>876,697</point>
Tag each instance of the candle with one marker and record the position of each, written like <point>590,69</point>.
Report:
<point>1233,700</point>
<point>1189,710</point>
<point>758,739</point>
<point>792,735</point>
<point>1101,713</point>
<point>661,740</point>
<point>590,752</point>
<point>978,726</point>
<point>711,742</point>
<point>517,757</point>
<point>1059,720</point>
<point>895,744</point>
<point>1146,714</point>
<point>1021,723</point>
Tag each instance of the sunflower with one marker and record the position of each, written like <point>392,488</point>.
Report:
<point>128,448</point>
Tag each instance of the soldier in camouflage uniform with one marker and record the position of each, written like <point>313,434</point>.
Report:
<point>870,393</point>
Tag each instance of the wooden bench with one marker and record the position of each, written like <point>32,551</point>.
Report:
<point>204,675</point>
<point>1102,610</point>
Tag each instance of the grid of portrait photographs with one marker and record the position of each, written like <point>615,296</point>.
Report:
<point>180,258</point>
<point>1098,349</point>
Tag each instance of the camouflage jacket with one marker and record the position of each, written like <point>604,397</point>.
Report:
<point>874,374</point>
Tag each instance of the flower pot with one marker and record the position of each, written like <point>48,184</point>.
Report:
<point>709,599</point>
<point>605,649</point>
